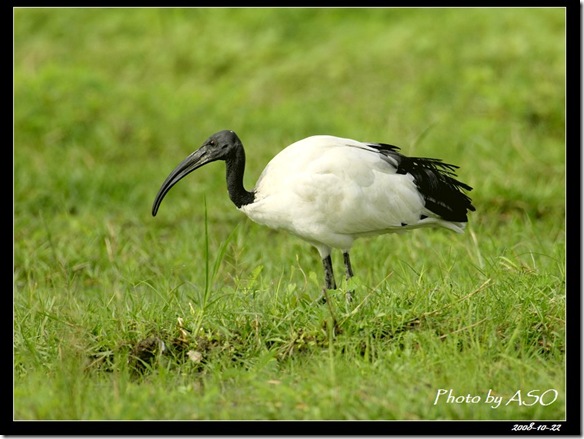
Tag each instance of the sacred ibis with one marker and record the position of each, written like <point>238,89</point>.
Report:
<point>330,191</point>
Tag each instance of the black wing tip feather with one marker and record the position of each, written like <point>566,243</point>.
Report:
<point>436,181</point>
<point>444,194</point>
<point>385,147</point>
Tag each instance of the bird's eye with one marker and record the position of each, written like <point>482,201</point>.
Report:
<point>212,143</point>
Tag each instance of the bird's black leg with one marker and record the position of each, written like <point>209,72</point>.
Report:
<point>329,279</point>
<point>330,284</point>
<point>348,269</point>
<point>348,272</point>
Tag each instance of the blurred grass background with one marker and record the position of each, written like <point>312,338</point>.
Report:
<point>108,101</point>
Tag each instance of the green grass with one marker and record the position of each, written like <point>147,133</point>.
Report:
<point>108,101</point>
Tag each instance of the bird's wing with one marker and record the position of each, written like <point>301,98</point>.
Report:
<point>360,190</point>
<point>436,181</point>
<point>326,184</point>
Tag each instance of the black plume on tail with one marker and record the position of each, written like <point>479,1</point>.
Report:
<point>436,181</point>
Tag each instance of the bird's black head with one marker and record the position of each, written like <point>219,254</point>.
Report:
<point>220,146</point>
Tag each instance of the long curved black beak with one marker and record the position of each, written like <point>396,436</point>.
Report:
<point>195,160</point>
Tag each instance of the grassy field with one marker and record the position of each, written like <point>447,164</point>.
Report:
<point>108,101</point>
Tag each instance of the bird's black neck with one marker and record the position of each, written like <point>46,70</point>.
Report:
<point>235,165</point>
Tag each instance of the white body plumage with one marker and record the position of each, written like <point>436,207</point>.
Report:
<point>329,191</point>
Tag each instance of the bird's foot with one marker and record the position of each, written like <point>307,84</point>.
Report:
<point>323,297</point>
<point>349,296</point>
